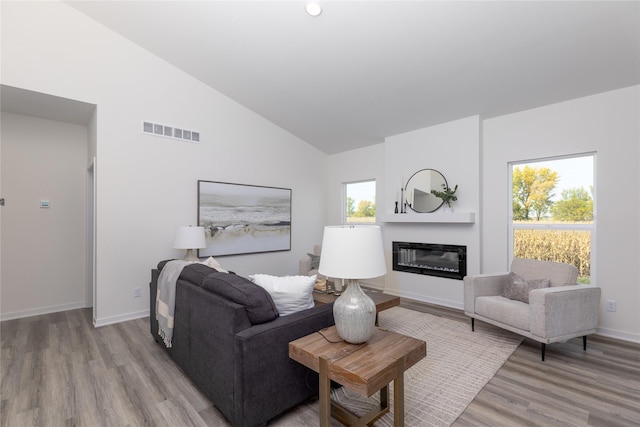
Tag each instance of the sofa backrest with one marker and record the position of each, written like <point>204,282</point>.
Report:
<point>258,304</point>
<point>558,273</point>
<point>255,299</point>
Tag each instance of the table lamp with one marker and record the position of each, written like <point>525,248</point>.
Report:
<point>353,253</point>
<point>189,238</point>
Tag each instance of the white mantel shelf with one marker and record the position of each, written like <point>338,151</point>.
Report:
<point>437,217</point>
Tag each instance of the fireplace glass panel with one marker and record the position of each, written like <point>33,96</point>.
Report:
<point>438,260</point>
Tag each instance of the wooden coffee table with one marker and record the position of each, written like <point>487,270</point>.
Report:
<point>382,301</point>
<point>363,368</point>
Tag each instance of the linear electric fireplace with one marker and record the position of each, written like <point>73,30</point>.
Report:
<point>431,259</point>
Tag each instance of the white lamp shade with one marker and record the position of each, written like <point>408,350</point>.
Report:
<point>189,238</point>
<point>352,252</point>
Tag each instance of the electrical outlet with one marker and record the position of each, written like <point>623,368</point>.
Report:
<point>137,292</point>
<point>611,305</point>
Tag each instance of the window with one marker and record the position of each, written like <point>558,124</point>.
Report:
<point>553,211</point>
<point>359,202</point>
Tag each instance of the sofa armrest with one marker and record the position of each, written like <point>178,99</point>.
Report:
<point>564,311</point>
<point>304,264</point>
<point>480,285</point>
<point>263,367</point>
<point>300,323</point>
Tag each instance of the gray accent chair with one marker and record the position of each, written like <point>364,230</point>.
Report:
<point>553,314</point>
<point>306,267</point>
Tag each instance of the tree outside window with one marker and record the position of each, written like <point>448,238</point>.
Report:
<point>360,202</point>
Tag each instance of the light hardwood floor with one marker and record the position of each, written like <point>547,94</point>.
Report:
<point>57,370</point>
<point>599,387</point>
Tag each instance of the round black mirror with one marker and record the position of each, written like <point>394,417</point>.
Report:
<point>417,192</point>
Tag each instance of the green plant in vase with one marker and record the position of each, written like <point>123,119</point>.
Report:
<point>447,194</point>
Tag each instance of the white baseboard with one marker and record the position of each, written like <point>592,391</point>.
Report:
<point>104,321</point>
<point>417,297</point>
<point>73,306</point>
<point>370,285</point>
<point>620,335</point>
<point>42,310</point>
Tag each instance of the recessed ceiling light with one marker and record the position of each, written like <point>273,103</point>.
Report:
<point>313,9</point>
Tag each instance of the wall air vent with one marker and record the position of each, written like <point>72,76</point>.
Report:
<point>170,132</point>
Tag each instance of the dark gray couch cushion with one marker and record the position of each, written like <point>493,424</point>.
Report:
<point>257,302</point>
<point>251,361</point>
<point>196,273</point>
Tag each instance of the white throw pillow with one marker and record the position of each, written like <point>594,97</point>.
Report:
<point>290,293</point>
<point>211,262</point>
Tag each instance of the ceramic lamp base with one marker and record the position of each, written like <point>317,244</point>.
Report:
<point>191,256</point>
<point>355,314</point>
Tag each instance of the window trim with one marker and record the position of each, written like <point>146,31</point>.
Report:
<point>343,203</point>
<point>555,226</point>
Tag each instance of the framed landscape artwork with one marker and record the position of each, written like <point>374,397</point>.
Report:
<point>242,219</point>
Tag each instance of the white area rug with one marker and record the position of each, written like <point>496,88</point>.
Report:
<point>458,365</point>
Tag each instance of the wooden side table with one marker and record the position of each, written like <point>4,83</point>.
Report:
<point>363,368</point>
<point>382,301</point>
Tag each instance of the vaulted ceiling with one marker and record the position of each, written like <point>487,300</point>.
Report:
<point>365,70</point>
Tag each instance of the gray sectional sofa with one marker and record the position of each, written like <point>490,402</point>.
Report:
<point>230,341</point>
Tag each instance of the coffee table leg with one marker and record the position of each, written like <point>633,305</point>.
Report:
<point>398,395</point>
<point>325,393</point>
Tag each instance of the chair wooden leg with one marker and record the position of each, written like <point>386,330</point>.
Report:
<point>584,343</point>
<point>543,348</point>
<point>473,325</point>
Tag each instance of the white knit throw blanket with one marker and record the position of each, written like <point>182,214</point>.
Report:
<point>166,298</point>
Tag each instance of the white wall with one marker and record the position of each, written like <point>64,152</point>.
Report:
<point>350,166</point>
<point>146,186</point>
<point>453,149</point>
<point>608,124</point>
<point>356,165</point>
<point>43,250</point>
<point>475,154</point>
